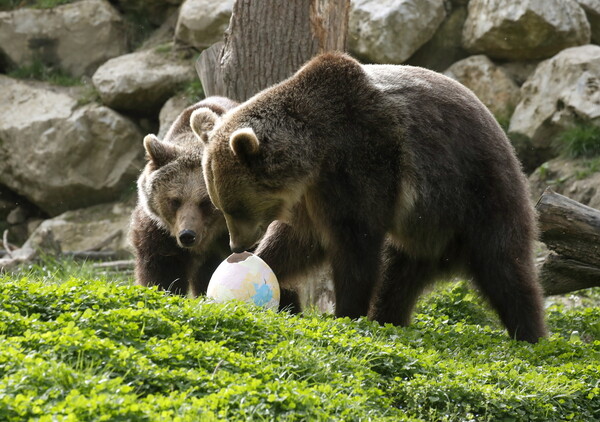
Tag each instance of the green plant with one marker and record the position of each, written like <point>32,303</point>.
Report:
<point>78,346</point>
<point>88,95</point>
<point>164,48</point>
<point>582,140</point>
<point>39,71</point>
<point>504,120</point>
<point>37,4</point>
<point>194,91</point>
<point>590,166</point>
<point>543,171</point>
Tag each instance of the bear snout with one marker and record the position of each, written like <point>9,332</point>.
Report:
<point>187,237</point>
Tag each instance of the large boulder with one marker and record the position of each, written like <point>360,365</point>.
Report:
<point>562,91</point>
<point>102,227</point>
<point>141,82</point>
<point>524,30</point>
<point>76,37</point>
<point>490,83</point>
<point>202,23</point>
<point>61,155</point>
<point>390,31</point>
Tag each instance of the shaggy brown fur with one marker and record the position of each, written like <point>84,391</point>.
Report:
<point>396,175</point>
<point>178,236</point>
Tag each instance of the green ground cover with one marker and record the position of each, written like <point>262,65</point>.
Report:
<point>75,346</point>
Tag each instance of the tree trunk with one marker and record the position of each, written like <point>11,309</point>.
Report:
<point>267,41</point>
<point>572,231</point>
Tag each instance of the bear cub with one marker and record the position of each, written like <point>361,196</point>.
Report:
<point>397,176</point>
<point>179,238</point>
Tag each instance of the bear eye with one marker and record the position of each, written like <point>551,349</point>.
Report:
<point>174,203</point>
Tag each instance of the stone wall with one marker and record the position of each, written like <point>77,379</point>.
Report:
<point>69,154</point>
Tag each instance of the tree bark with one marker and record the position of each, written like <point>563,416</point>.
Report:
<point>267,41</point>
<point>569,228</point>
<point>572,231</point>
<point>561,275</point>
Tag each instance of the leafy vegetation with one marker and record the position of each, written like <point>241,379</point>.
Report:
<point>78,346</point>
<point>194,91</point>
<point>39,71</point>
<point>582,140</point>
<point>590,166</point>
<point>37,4</point>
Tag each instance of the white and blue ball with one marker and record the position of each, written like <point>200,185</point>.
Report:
<point>245,277</point>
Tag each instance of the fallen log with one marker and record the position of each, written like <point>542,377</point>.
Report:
<point>124,265</point>
<point>561,275</point>
<point>571,231</point>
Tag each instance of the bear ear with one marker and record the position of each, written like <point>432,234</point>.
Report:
<point>159,153</point>
<point>203,121</point>
<point>243,142</point>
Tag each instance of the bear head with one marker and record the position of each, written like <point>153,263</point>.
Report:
<point>246,178</point>
<point>173,193</point>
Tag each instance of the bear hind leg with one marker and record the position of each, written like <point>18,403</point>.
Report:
<point>508,280</point>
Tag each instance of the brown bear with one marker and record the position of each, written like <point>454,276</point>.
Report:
<point>396,175</point>
<point>179,238</point>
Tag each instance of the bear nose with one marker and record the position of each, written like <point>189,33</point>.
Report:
<point>187,237</point>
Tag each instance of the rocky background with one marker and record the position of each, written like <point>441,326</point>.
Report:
<point>82,82</point>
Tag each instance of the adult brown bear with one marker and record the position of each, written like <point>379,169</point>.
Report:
<point>396,175</point>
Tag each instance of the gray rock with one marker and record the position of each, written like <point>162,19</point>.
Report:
<point>592,11</point>
<point>17,215</point>
<point>563,90</point>
<point>76,37</point>
<point>102,227</point>
<point>202,23</point>
<point>390,31</point>
<point>577,179</point>
<point>490,83</point>
<point>519,71</point>
<point>154,10</point>
<point>170,111</point>
<point>524,30</point>
<point>445,47</point>
<point>162,35</point>
<point>60,155</point>
<point>8,202</point>
<point>142,81</point>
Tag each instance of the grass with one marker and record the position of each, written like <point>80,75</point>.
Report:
<point>37,4</point>
<point>590,166</point>
<point>78,346</point>
<point>580,141</point>
<point>41,72</point>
